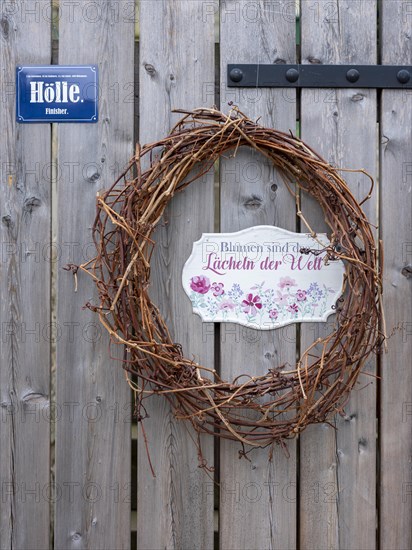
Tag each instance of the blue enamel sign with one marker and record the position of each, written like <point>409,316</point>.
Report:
<point>57,93</point>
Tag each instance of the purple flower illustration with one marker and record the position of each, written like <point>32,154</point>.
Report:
<point>313,287</point>
<point>218,289</point>
<point>227,305</point>
<point>286,282</point>
<point>251,304</point>
<point>314,291</point>
<point>301,295</point>
<point>273,314</point>
<point>293,308</point>
<point>200,284</point>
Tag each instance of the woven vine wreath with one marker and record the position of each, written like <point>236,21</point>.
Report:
<point>255,410</point>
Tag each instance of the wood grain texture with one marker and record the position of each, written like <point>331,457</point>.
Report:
<point>337,468</point>
<point>396,232</point>
<point>175,509</point>
<point>257,497</point>
<point>93,431</point>
<point>24,292</point>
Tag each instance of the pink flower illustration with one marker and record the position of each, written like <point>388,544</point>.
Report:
<point>301,295</point>
<point>286,282</point>
<point>293,308</point>
<point>218,289</point>
<point>282,298</point>
<point>227,305</point>
<point>200,284</point>
<point>273,314</point>
<point>251,304</point>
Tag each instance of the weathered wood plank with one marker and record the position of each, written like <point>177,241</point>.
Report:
<point>337,468</point>
<point>396,232</point>
<point>25,215</point>
<point>257,498</point>
<point>93,433</point>
<point>175,509</point>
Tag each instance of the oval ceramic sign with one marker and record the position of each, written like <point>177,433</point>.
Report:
<point>262,277</point>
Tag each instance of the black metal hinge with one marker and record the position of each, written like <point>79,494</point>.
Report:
<point>319,76</point>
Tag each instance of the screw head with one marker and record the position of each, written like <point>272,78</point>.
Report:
<point>292,75</point>
<point>403,76</point>
<point>236,75</point>
<point>352,75</point>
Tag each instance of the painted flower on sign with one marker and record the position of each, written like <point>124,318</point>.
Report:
<point>251,304</point>
<point>200,284</point>
<point>301,295</point>
<point>227,305</point>
<point>315,292</point>
<point>273,314</point>
<point>218,289</point>
<point>286,282</point>
<point>282,298</point>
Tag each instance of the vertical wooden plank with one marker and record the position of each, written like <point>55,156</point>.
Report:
<point>93,430</point>
<point>337,468</point>
<point>257,498</point>
<point>175,508</point>
<point>24,290</point>
<point>396,232</point>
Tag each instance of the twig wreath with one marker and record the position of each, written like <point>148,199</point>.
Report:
<point>255,410</point>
